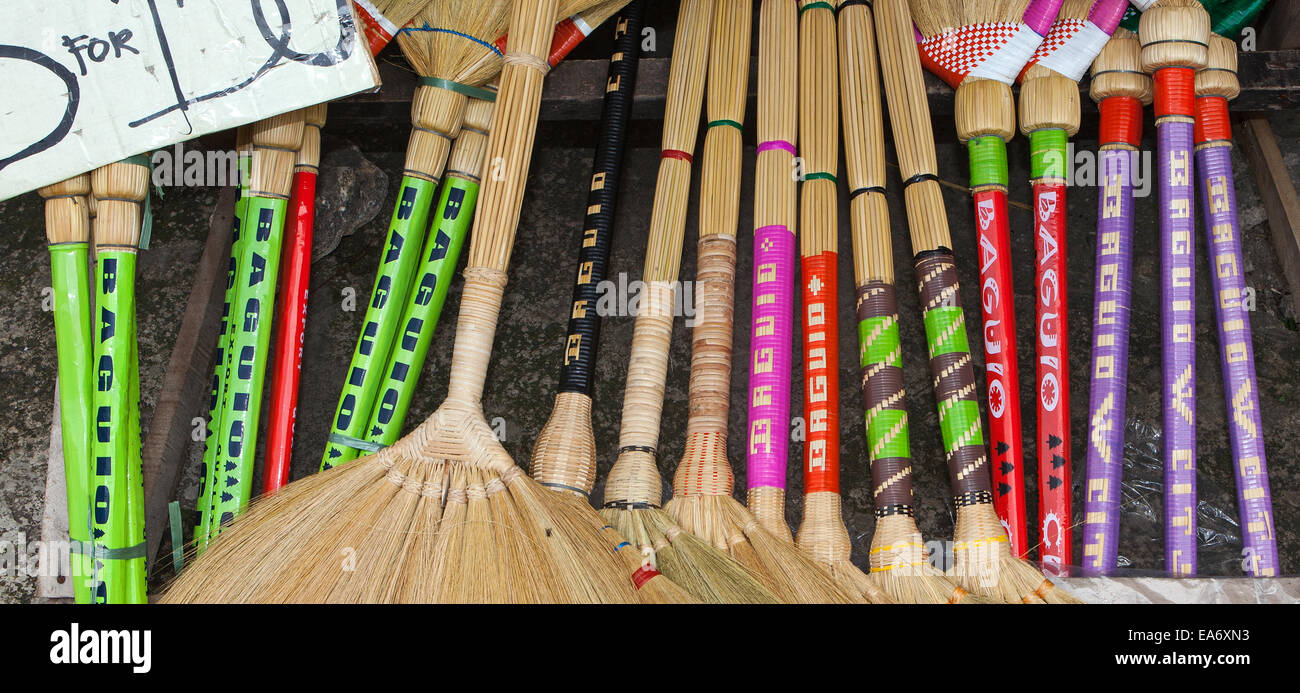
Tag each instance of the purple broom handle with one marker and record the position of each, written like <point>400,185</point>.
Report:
<point>1237,358</point>
<point>771,354</point>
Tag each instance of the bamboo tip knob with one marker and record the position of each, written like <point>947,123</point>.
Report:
<point>76,185</point>
<point>309,152</point>
<point>315,115</point>
<point>283,131</point>
<point>1174,33</point>
<point>1219,77</point>
<point>478,114</point>
<point>985,107</point>
<point>1117,71</point>
<point>438,109</point>
<point>121,180</point>
<point>1049,100</point>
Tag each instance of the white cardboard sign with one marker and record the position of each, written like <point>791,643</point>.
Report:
<point>84,83</point>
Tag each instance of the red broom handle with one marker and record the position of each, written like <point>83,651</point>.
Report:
<point>821,393</point>
<point>1052,376</point>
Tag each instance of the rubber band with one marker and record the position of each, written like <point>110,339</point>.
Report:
<point>732,123</point>
<point>116,246</point>
<point>1099,73</point>
<point>355,443</point>
<point>453,32</point>
<point>919,178</point>
<point>621,545</point>
<point>463,175</point>
<point>869,189</point>
<point>273,148</point>
<point>676,154</point>
<point>1194,43</point>
<point>565,487</point>
<point>777,144</point>
<point>820,175</point>
<point>851,3</point>
<point>629,505</point>
<point>816,5</point>
<point>61,243</point>
<point>463,89</point>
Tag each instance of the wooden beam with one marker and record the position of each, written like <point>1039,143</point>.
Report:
<point>1278,193</point>
<point>187,383</point>
<point>1279,26</point>
<point>55,585</point>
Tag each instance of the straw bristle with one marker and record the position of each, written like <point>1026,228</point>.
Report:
<point>1174,33</point>
<point>824,539</point>
<point>435,51</point>
<point>399,12</point>
<point>1219,78</point>
<point>901,569</point>
<point>1117,71</point>
<point>120,188</point>
<point>67,210</point>
<point>276,141</point>
<point>984,564</point>
<point>936,16</point>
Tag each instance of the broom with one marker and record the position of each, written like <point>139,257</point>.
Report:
<point>1049,116</point>
<point>822,535</point>
<point>222,357</point>
<point>500,536</point>
<point>979,48</point>
<point>900,569</point>
<point>564,458</point>
<point>702,502</point>
<point>1174,36</point>
<point>117,523</point>
<point>275,141</point>
<point>296,261</point>
<point>771,323</point>
<point>67,228</point>
<point>572,31</point>
<point>633,491</point>
<point>984,563</point>
<point>1216,84</point>
<point>1120,88</point>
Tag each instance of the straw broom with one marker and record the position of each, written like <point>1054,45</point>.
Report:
<point>1049,116</point>
<point>771,321</point>
<point>222,358</point>
<point>564,458</point>
<point>296,261</point>
<point>984,562</point>
<point>501,536</point>
<point>1216,84</point>
<point>633,490</point>
<point>117,523</point>
<point>900,569</point>
<point>822,535</point>
<point>1120,89</point>
<point>67,228</point>
<point>572,31</point>
<point>1174,36</point>
<point>702,503</point>
<point>979,48</point>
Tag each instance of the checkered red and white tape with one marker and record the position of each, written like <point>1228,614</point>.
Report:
<point>991,50</point>
<point>1070,47</point>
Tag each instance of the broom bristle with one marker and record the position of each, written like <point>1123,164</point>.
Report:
<point>984,564</point>
<point>450,39</point>
<point>399,12</point>
<point>937,16</point>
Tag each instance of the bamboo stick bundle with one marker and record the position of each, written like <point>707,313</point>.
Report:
<point>1049,116</point>
<point>822,535</point>
<point>572,31</point>
<point>444,514</point>
<point>1216,84</point>
<point>117,524</point>
<point>771,323</point>
<point>633,490</point>
<point>223,356</point>
<point>979,48</point>
<point>1120,89</point>
<point>1174,36</point>
<point>564,458</point>
<point>296,261</point>
<point>67,228</point>
<point>900,568</point>
<point>984,563</point>
<point>702,503</point>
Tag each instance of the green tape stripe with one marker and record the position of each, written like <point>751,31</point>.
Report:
<point>115,491</point>
<point>221,367</point>
<point>880,341</point>
<point>945,331</point>
<point>988,161</point>
<point>383,317</point>
<point>957,419</point>
<point>70,272</point>
<point>887,434</point>
<point>251,314</point>
<point>1047,153</point>
<point>462,89</point>
<point>442,248</point>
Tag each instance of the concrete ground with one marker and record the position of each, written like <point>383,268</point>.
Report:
<point>523,375</point>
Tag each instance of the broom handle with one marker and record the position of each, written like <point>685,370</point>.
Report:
<point>1121,135</point>
<point>598,225</point>
<point>1236,350</point>
<point>292,323</point>
<point>222,359</point>
<point>635,478</point>
<point>514,127</point>
<point>442,249</point>
<point>1174,114</point>
<point>68,228</point>
<point>989,179</point>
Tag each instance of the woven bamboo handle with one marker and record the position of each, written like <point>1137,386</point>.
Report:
<point>711,340</point>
